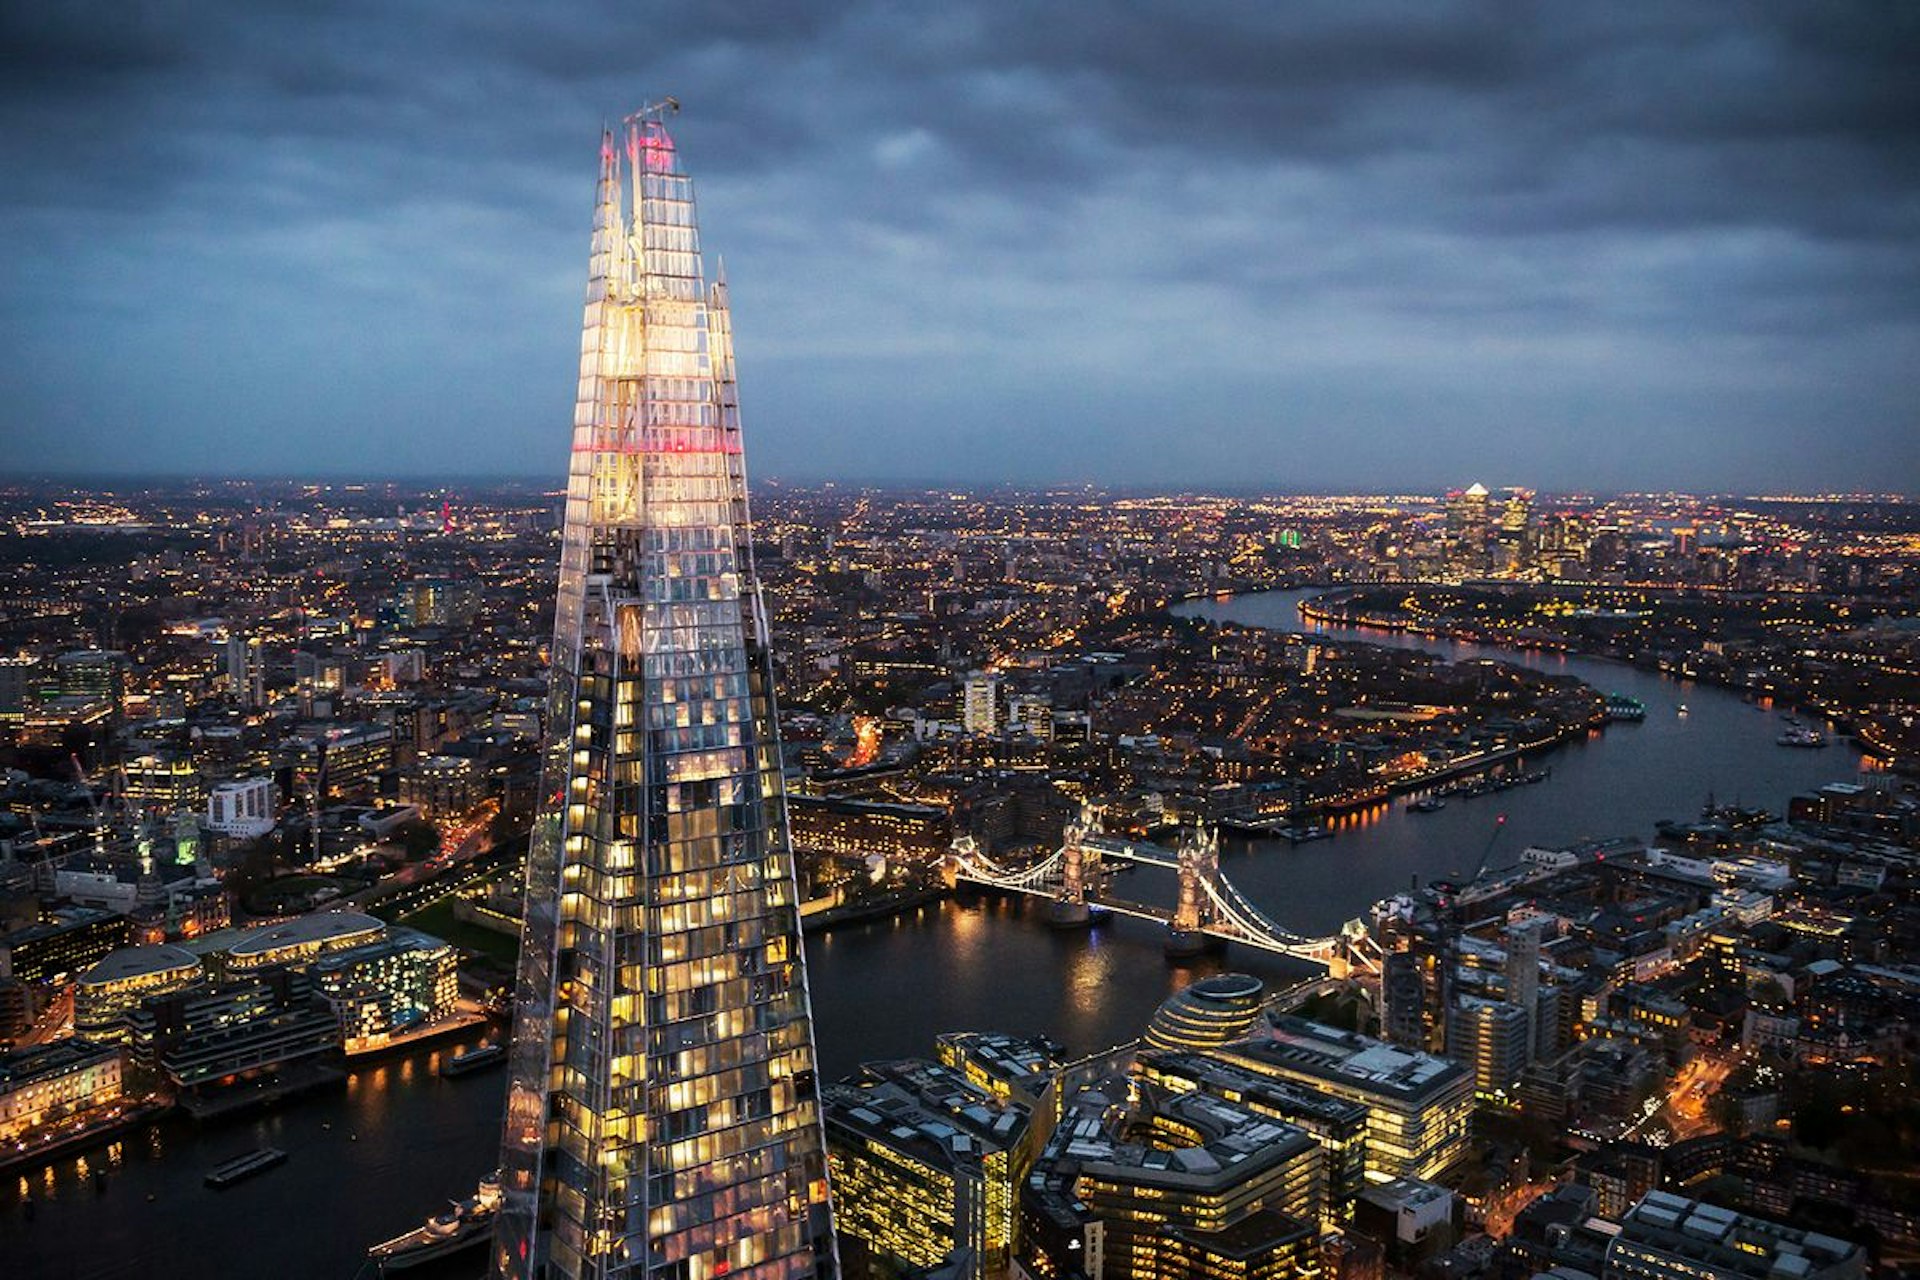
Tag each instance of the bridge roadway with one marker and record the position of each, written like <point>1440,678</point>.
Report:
<point>1209,908</point>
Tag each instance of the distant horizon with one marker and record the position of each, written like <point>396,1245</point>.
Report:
<point>555,485</point>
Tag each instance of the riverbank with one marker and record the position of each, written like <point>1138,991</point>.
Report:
<point>98,1134</point>
<point>1840,720</point>
<point>869,909</point>
<point>1564,724</point>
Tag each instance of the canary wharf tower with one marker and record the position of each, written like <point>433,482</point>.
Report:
<point>663,1117</point>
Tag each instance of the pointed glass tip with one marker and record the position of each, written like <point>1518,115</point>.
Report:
<point>649,145</point>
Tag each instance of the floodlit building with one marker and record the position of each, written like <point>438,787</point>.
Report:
<point>242,808</point>
<point>45,1082</point>
<point>663,1116</point>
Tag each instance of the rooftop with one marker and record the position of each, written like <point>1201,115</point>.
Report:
<point>319,928</point>
<point>138,962</point>
<point>1346,1057</point>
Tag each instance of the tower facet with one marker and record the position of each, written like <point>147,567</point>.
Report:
<point>662,1115</point>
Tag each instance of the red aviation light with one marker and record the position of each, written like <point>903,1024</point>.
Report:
<point>650,148</point>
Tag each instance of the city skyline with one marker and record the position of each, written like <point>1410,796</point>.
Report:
<point>1594,251</point>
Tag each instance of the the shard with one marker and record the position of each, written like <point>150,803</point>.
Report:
<point>662,1116</point>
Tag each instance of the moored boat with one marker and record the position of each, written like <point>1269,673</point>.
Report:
<point>1621,707</point>
<point>478,1058</point>
<point>465,1224</point>
<point>240,1168</point>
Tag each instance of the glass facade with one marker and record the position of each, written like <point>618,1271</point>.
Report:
<point>663,1115</point>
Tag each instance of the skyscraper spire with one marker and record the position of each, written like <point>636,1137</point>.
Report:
<point>662,1118</point>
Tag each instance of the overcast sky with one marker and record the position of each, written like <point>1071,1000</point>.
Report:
<point>1272,245</point>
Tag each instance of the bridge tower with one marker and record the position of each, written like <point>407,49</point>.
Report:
<point>1079,873</point>
<point>1193,911</point>
<point>964,852</point>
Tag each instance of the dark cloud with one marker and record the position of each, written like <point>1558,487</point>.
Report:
<point>1344,244</point>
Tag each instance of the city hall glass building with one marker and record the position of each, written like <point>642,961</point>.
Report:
<point>662,1115</point>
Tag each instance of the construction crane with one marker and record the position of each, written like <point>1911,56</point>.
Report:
<point>1447,889</point>
<point>1480,869</point>
<point>99,815</point>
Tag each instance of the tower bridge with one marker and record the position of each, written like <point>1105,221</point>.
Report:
<point>1208,909</point>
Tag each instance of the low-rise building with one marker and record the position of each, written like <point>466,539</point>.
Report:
<point>1668,1237</point>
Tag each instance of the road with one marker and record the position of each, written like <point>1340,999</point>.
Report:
<point>1684,1108</point>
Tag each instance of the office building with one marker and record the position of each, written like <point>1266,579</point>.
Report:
<point>1416,988</point>
<point>164,781</point>
<point>444,786</point>
<point>1172,1186</point>
<point>65,944</point>
<point>98,674</point>
<point>662,1115</point>
<point>1031,714</point>
<point>107,992</point>
<point>302,940</point>
<point>924,1163</point>
<point>1522,940</point>
<point>439,602</point>
<point>202,1040</point>
<point>19,690</point>
<point>1338,1126</point>
<point>341,761</point>
<point>1419,1107</point>
<point>1410,1218</point>
<point>1008,1067</point>
<point>402,982</point>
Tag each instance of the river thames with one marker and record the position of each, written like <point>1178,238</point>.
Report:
<point>374,1160</point>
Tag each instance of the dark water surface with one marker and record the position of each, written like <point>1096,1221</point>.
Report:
<point>374,1160</point>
